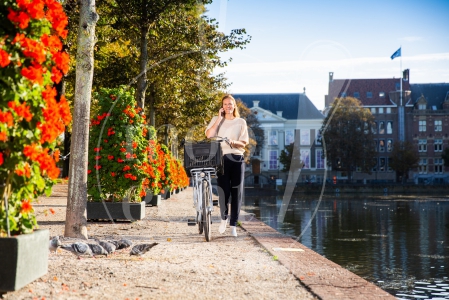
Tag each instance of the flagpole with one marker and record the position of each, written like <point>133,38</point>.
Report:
<point>400,76</point>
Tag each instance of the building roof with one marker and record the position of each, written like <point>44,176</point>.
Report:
<point>435,93</point>
<point>363,86</point>
<point>295,106</point>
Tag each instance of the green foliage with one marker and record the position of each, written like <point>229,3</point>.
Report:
<point>348,137</point>
<point>404,157</point>
<point>256,134</point>
<point>445,156</point>
<point>288,155</point>
<point>117,147</point>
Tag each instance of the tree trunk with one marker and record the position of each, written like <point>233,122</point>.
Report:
<point>66,161</point>
<point>76,222</point>
<point>142,81</point>
<point>151,98</point>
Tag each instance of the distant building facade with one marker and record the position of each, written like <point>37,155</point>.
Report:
<point>421,116</point>
<point>286,118</point>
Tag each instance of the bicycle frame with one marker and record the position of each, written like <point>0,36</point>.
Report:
<point>198,188</point>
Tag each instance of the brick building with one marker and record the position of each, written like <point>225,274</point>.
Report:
<point>420,115</point>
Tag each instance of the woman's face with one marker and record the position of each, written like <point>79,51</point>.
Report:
<point>228,105</point>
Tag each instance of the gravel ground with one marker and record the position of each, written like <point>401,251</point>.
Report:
<point>182,266</point>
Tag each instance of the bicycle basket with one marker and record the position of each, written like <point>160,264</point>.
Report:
<point>202,155</point>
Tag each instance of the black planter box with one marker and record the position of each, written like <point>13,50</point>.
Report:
<point>153,200</point>
<point>23,259</point>
<point>115,211</point>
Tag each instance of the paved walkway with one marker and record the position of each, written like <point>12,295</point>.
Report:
<point>184,266</point>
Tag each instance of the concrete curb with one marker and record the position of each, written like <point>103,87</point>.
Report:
<point>322,277</point>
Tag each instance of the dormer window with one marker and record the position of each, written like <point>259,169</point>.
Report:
<point>356,95</point>
<point>381,94</point>
<point>369,94</point>
<point>422,106</point>
<point>343,95</point>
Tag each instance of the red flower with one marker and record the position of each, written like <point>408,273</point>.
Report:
<point>122,149</point>
<point>4,58</point>
<point>126,168</point>
<point>113,174</point>
<point>97,157</point>
<point>3,136</point>
<point>97,149</point>
<point>134,145</point>
<point>120,160</point>
<point>52,211</point>
<point>97,167</point>
<point>19,17</point>
<point>26,207</point>
<point>110,157</point>
<point>128,155</point>
<point>1,159</point>
<point>89,171</point>
<point>33,73</point>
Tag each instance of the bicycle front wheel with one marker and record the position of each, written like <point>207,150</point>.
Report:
<point>207,221</point>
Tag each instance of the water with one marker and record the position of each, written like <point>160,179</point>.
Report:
<point>399,244</point>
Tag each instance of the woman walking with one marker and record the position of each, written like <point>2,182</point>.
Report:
<point>229,124</point>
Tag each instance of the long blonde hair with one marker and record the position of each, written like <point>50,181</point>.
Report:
<point>235,113</point>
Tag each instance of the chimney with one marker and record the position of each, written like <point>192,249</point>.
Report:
<point>304,90</point>
<point>279,113</point>
<point>331,76</point>
<point>406,75</point>
<point>256,103</point>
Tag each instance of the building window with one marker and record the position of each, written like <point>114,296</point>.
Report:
<point>318,138</point>
<point>343,95</point>
<point>422,146</point>
<point>369,94</point>
<point>273,138</point>
<point>381,94</point>
<point>398,86</point>
<point>389,163</point>
<point>381,110</point>
<point>374,129</point>
<point>388,110</point>
<point>305,158</point>
<point>373,110</point>
<point>289,137</point>
<point>381,146</point>
<point>356,95</point>
<point>422,106</point>
<point>438,125</point>
<point>319,159</point>
<point>438,144</point>
<point>305,137</point>
<point>389,145</point>
<point>422,166</point>
<point>273,159</point>
<point>375,145</point>
<point>438,163</point>
<point>422,126</point>
<point>382,164</point>
<point>381,127</point>
<point>389,127</point>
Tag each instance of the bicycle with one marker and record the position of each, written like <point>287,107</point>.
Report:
<point>202,161</point>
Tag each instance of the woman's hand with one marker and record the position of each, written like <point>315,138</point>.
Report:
<point>221,113</point>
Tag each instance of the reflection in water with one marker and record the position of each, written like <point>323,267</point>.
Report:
<point>393,243</point>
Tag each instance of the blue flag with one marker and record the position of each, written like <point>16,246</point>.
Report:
<point>396,54</point>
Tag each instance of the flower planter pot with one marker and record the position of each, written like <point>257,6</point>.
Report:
<point>115,211</point>
<point>23,259</point>
<point>167,195</point>
<point>153,200</point>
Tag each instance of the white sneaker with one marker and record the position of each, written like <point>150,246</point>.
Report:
<point>222,227</point>
<point>233,231</point>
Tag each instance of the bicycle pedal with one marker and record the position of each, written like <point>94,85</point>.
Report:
<point>191,222</point>
<point>215,202</point>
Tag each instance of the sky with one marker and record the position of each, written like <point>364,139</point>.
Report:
<point>295,44</point>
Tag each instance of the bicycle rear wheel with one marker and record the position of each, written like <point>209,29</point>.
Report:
<point>207,221</point>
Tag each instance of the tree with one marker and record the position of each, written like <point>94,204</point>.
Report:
<point>287,155</point>
<point>445,157</point>
<point>348,137</point>
<point>77,195</point>
<point>403,158</point>
<point>256,135</point>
